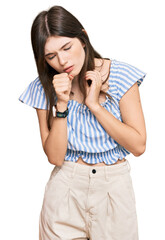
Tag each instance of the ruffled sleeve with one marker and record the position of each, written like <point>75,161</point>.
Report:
<point>125,77</point>
<point>34,95</point>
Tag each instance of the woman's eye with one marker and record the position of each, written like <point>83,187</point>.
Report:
<point>65,49</point>
<point>50,58</point>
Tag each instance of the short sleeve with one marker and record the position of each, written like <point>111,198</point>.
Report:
<point>34,95</point>
<point>126,76</point>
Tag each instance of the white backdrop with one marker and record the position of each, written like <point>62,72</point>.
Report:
<point>130,31</point>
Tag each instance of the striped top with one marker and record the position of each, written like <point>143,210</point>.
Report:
<point>86,136</point>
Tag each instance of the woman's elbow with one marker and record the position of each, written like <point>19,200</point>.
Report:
<point>140,146</point>
<point>55,161</point>
<point>140,150</point>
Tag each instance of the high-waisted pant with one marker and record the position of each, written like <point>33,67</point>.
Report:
<point>95,202</point>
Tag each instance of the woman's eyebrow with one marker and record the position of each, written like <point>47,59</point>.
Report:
<point>60,49</point>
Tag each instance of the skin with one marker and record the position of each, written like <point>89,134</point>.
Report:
<point>131,133</point>
<point>61,57</point>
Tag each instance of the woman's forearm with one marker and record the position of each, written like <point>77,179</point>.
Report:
<point>123,134</point>
<point>56,143</point>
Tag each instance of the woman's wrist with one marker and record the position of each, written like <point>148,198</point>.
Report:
<point>61,106</point>
<point>94,108</point>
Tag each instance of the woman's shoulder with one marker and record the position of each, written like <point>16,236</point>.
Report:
<point>122,76</point>
<point>37,84</point>
<point>125,69</point>
<point>34,95</point>
<point>107,65</point>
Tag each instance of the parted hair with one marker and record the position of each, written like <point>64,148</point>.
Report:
<point>57,21</point>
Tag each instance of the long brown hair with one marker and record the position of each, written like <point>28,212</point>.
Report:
<point>57,21</point>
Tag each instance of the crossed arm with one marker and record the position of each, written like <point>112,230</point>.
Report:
<point>131,133</point>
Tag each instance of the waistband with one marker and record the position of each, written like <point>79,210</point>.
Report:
<point>94,171</point>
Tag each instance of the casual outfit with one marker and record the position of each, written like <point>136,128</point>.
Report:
<point>85,201</point>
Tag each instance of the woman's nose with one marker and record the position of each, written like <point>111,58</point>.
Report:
<point>62,60</point>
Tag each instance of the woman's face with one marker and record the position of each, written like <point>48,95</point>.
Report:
<point>65,54</point>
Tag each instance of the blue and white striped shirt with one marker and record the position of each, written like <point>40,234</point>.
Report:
<point>86,136</point>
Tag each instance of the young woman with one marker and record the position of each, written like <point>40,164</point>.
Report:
<point>90,118</point>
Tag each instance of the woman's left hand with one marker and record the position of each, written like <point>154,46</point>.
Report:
<point>93,91</point>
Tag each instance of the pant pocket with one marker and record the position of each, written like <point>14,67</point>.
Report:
<point>126,183</point>
<point>121,195</point>
<point>56,192</point>
<point>130,186</point>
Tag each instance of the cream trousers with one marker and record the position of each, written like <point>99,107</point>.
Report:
<point>82,202</point>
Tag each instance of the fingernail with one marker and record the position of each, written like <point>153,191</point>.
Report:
<point>70,77</point>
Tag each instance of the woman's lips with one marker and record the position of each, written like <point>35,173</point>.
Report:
<point>67,70</point>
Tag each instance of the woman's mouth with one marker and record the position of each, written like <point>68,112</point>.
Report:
<point>69,69</point>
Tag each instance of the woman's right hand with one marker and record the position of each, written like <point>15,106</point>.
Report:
<point>62,84</point>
